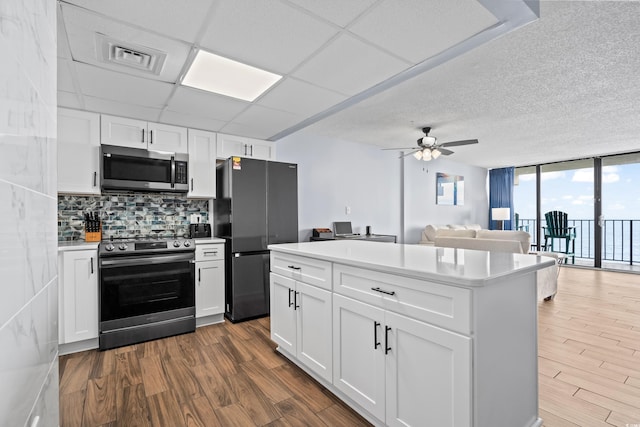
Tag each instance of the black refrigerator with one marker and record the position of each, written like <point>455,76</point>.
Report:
<point>256,205</point>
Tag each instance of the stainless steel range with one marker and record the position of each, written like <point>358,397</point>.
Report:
<point>147,290</point>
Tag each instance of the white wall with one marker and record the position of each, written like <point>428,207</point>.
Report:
<point>420,196</point>
<point>333,174</point>
<point>28,203</point>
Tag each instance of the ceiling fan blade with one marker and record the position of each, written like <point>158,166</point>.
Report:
<point>400,148</point>
<point>456,143</point>
<point>444,151</point>
<point>409,154</point>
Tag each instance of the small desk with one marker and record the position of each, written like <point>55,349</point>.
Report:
<point>388,238</point>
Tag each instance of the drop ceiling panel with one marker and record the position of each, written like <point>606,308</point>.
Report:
<point>191,120</point>
<point>265,34</point>
<point>120,87</point>
<point>122,109</point>
<point>436,24</point>
<point>261,122</point>
<point>300,98</point>
<point>339,12</point>
<point>82,27</point>
<point>160,16</point>
<point>349,66</point>
<point>192,101</point>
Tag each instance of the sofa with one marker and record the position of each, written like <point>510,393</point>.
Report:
<point>512,241</point>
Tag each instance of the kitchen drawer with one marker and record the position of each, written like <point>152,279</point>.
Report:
<point>311,271</point>
<point>209,252</point>
<point>445,306</point>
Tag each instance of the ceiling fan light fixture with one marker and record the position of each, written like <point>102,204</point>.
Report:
<point>435,153</point>
<point>426,154</point>
<point>418,154</point>
<point>428,140</point>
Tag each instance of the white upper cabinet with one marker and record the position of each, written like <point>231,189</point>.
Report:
<point>231,145</point>
<point>78,152</point>
<point>202,164</point>
<point>167,138</point>
<point>125,132</point>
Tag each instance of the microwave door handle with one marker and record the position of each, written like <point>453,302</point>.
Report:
<point>173,172</point>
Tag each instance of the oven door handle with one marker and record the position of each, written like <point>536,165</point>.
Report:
<point>146,260</point>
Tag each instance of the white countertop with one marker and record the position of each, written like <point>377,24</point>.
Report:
<point>205,240</point>
<point>77,245</point>
<point>455,266</point>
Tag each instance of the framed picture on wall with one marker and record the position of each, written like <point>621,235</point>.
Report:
<point>449,189</point>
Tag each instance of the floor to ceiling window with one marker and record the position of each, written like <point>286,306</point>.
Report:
<point>601,199</point>
<point>621,211</point>
<point>568,187</point>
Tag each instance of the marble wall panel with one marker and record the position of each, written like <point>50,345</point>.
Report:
<point>28,209</point>
<point>30,348</point>
<point>28,245</point>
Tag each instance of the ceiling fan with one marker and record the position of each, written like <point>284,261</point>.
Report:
<point>429,148</point>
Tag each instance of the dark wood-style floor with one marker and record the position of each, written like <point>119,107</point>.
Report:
<point>221,375</point>
<point>229,375</point>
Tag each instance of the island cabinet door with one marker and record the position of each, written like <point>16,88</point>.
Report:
<point>283,316</point>
<point>313,312</point>
<point>428,371</point>
<point>358,353</point>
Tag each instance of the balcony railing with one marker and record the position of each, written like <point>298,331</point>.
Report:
<point>621,238</point>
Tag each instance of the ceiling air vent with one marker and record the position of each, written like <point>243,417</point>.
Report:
<point>128,55</point>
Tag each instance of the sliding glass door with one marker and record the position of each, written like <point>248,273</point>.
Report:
<point>569,187</point>
<point>620,219</point>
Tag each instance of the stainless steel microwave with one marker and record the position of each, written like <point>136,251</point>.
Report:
<point>143,170</point>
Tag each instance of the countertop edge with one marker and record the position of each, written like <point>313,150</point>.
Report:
<point>544,262</point>
<point>76,246</point>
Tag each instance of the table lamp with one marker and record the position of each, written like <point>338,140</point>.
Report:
<point>500,215</point>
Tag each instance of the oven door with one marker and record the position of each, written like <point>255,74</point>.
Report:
<point>136,290</point>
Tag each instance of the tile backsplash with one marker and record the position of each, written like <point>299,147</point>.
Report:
<point>129,215</point>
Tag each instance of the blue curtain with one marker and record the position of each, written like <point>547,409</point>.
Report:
<point>501,193</point>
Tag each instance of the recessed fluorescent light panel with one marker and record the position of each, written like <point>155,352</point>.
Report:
<point>216,74</point>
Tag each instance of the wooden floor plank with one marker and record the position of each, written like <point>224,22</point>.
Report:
<point>234,416</point>
<point>153,375</point>
<point>100,401</point>
<point>72,408</point>
<point>164,410</point>
<point>131,406</point>
<point>252,400</point>
<point>199,413</point>
<point>297,414</point>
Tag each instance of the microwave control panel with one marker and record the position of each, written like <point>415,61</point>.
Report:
<point>181,172</point>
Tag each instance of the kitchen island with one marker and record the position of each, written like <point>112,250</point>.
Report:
<point>410,334</point>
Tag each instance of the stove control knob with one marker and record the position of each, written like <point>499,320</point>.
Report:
<point>122,246</point>
<point>187,243</point>
<point>109,247</point>
<point>176,244</point>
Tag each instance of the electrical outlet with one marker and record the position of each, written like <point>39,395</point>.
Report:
<point>347,210</point>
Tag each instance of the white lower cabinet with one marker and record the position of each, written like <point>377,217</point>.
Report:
<point>359,360</point>
<point>78,313</point>
<point>209,283</point>
<point>209,288</point>
<point>301,323</point>
<point>401,370</point>
<point>428,374</point>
